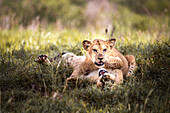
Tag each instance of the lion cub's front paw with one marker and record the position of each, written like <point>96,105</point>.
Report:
<point>104,75</point>
<point>43,59</point>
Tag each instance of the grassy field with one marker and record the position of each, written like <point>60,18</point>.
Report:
<point>30,87</point>
<point>27,86</point>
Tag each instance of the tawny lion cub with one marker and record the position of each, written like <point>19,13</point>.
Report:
<point>102,54</point>
<point>102,62</point>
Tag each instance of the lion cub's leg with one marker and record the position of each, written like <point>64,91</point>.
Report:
<point>69,59</point>
<point>102,77</point>
<point>43,59</point>
<point>115,76</point>
<point>131,64</point>
<point>118,76</point>
<point>114,63</point>
<point>72,60</point>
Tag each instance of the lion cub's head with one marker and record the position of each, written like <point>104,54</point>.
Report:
<point>98,50</point>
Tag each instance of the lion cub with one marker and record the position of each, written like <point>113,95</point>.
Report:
<point>98,75</point>
<point>101,59</point>
<point>102,54</point>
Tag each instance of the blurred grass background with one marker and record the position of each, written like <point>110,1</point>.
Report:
<point>29,28</point>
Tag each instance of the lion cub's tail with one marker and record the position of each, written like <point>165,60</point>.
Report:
<point>131,64</point>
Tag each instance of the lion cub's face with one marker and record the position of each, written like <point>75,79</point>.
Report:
<point>98,50</point>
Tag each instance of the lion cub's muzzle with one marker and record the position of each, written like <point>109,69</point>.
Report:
<point>99,61</point>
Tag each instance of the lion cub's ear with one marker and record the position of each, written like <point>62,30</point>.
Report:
<point>111,42</point>
<point>86,44</point>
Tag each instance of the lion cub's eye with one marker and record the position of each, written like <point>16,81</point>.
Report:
<point>95,50</point>
<point>104,50</point>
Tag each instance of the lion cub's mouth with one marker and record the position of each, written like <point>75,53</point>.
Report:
<point>100,63</point>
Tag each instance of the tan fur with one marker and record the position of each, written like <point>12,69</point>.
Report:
<point>131,64</point>
<point>113,60</point>
<point>100,54</point>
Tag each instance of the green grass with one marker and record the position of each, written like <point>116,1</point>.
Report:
<point>27,86</point>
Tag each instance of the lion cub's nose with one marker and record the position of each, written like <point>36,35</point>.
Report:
<point>100,58</point>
